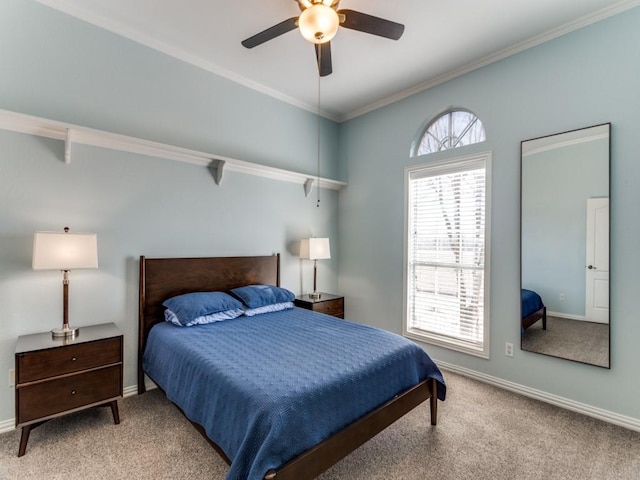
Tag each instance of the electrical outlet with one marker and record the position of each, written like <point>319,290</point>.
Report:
<point>12,378</point>
<point>562,297</point>
<point>508,349</point>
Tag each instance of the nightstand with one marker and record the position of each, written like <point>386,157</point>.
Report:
<point>327,303</point>
<point>55,377</point>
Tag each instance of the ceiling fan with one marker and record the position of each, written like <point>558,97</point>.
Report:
<point>319,21</point>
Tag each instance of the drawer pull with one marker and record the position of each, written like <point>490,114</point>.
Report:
<point>73,392</point>
<point>73,359</point>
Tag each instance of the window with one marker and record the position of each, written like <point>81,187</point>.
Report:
<point>447,255</point>
<point>452,129</point>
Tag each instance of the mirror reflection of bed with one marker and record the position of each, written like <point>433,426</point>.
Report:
<point>578,340</point>
<point>565,245</point>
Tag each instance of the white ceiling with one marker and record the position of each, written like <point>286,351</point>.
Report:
<point>442,39</point>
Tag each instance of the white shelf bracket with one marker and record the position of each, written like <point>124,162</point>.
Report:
<point>217,170</point>
<point>67,147</point>
<point>220,171</point>
<point>308,186</point>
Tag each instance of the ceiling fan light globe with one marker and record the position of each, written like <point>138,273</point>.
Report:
<point>318,23</point>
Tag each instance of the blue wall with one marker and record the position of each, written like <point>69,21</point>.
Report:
<point>57,67</point>
<point>588,77</point>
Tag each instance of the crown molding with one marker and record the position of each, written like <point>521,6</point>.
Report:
<point>134,35</point>
<point>577,24</point>
<point>180,54</point>
<point>537,145</point>
<point>562,144</point>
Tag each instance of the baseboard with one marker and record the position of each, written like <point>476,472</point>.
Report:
<point>599,413</point>
<point>568,316</point>
<point>9,425</point>
<point>130,390</point>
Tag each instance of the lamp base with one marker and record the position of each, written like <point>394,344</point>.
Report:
<point>315,295</point>
<point>65,332</point>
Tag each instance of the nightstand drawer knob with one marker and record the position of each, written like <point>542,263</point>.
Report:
<point>73,359</point>
<point>73,392</point>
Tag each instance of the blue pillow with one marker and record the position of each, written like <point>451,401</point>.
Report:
<point>254,296</point>
<point>274,307</point>
<point>190,306</point>
<point>169,316</point>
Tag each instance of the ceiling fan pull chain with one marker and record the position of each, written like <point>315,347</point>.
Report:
<point>318,118</point>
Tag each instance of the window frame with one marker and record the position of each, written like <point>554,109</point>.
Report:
<point>446,166</point>
<point>415,147</point>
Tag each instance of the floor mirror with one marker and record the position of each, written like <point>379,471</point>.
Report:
<point>565,191</point>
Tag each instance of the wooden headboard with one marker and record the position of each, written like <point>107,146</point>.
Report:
<point>162,278</point>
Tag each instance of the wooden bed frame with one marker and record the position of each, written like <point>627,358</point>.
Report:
<point>162,278</point>
<point>534,317</point>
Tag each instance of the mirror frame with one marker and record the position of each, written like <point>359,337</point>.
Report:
<point>548,140</point>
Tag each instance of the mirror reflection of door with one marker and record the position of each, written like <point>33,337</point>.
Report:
<point>597,286</point>
<point>565,245</point>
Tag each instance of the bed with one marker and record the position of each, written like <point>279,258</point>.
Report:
<point>533,309</point>
<point>330,440</point>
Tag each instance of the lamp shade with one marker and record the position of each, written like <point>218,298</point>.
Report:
<point>315,248</point>
<point>318,23</point>
<point>64,251</point>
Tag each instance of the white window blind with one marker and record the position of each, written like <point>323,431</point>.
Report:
<point>446,254</point>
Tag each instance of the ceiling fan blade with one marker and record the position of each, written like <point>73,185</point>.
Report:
<point>370,24</point>
<point>323,54</point>
<point>271,33</point>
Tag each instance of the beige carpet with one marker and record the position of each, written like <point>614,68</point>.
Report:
<point>577,340</point>
<point>482,433</point>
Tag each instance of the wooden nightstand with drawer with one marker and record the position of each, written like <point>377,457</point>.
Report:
<point>327,303</point>
<point>55,377</point>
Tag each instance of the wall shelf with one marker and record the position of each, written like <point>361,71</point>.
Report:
<point>219,165</point>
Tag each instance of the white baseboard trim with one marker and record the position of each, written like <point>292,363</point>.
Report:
<point>130,391</point>
<point>595,412</point>
<point>9,425</point>
<point>599,413</point>
<point>568,316</point>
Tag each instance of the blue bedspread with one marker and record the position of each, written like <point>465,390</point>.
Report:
<point>269,387</point>
<point>531,302</point>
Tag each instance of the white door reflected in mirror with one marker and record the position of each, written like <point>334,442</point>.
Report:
<point>597,274</point>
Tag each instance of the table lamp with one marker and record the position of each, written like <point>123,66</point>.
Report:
<point>65,251</point>
<point>315,249</point>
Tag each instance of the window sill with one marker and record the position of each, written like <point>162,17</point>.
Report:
<point>447,342</point>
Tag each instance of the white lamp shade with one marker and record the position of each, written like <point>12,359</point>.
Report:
<point>315,248</point>
<point>318,23</point>
<point>64,251</point>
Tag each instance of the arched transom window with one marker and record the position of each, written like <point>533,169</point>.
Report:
<point>452,129</point>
